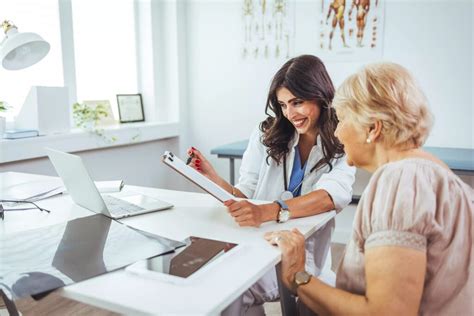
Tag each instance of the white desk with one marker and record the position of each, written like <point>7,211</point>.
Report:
<point>194,214</point>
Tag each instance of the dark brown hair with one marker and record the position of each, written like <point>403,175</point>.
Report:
<point>307,79</point>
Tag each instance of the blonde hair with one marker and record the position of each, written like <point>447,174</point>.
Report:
<point>388,93</point>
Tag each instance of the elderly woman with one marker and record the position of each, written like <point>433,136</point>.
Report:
<point>411,247</point>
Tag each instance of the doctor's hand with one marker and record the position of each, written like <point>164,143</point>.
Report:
<point>202,165</point>
<point>245,213</point>
<point>293,255</point>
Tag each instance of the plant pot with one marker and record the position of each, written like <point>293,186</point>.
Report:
<point>3,124</point>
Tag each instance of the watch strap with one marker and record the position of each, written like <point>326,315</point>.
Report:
<point>283,208</point>
<point>300,278</point>
<point>282,204</point>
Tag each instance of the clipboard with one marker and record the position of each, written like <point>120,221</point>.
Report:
<point>192,175</point>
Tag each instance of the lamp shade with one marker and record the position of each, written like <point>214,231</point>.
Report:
<point>21,50</point>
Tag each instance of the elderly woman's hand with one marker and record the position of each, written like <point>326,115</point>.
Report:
<point>293,255</point>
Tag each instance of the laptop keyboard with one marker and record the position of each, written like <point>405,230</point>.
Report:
<point>120,207</point>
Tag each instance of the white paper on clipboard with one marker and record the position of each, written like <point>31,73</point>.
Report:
<point>192,175</point>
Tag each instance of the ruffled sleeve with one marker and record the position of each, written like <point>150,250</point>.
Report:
<point>399,207</point>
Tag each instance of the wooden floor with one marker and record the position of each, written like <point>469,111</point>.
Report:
<point>55,305</point>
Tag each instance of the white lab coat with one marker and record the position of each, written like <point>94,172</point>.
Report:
<point>265,181</point>
<point>262,181</point>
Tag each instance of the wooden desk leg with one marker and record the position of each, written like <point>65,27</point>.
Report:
<point>232,171</point>
<point>287,300</point>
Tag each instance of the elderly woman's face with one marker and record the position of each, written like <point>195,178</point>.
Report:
<point>353,138</point>
<point>302,114</point>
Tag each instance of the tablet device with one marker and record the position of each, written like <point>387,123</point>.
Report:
<point>185,262</point>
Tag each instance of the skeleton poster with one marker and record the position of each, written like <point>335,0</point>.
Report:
<point>267,28</point>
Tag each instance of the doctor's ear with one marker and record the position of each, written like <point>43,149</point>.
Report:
<point>374,132</point>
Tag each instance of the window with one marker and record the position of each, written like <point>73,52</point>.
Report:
<point>105,49</point>
<point>41,17</point>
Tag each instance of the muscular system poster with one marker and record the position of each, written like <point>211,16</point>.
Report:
<point>351,30</point>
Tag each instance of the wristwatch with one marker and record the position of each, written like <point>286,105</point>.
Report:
<point>284,213</point>
<point>301,278</point>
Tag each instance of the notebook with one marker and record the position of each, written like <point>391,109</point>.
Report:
<point>20,133</point>
<point>186,264</point>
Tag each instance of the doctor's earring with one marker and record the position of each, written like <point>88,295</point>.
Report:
<point>368,141</point>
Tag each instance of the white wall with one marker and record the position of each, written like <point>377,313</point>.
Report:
<point>227,93</point>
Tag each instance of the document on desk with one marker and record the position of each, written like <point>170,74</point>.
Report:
<point>32,191</point>
<point>192,175</point>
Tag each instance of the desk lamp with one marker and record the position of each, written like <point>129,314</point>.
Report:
<point>21,50</point>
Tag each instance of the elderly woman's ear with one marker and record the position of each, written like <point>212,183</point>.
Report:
<point>374,132</point>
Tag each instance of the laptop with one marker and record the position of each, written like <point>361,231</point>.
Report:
<point>83,191</point>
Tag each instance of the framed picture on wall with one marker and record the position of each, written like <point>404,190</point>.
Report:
<point>130,108</point>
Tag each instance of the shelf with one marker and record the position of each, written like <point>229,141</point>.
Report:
<point>80,140</point>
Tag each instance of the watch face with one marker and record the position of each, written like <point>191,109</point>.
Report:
<point>302,277</point>
<point>284,215</point>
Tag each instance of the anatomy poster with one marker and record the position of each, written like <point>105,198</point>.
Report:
<point>267,28</point>
<point>351,30</point>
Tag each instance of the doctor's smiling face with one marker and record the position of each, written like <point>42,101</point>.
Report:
<point>299,101</point>
<point>302,114</point>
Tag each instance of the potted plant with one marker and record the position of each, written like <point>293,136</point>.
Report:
<point>3,120</point>
<point>88,119</point>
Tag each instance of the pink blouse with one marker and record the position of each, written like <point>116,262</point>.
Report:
<point>418,204</point>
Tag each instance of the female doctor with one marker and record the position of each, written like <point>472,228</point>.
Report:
<point>293,159</point>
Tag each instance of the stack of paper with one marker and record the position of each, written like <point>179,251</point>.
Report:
<point>109,186</point>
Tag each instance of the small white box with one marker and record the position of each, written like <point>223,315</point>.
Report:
<point>46,109</point>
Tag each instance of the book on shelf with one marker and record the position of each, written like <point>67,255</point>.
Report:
<point>20,133</point>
